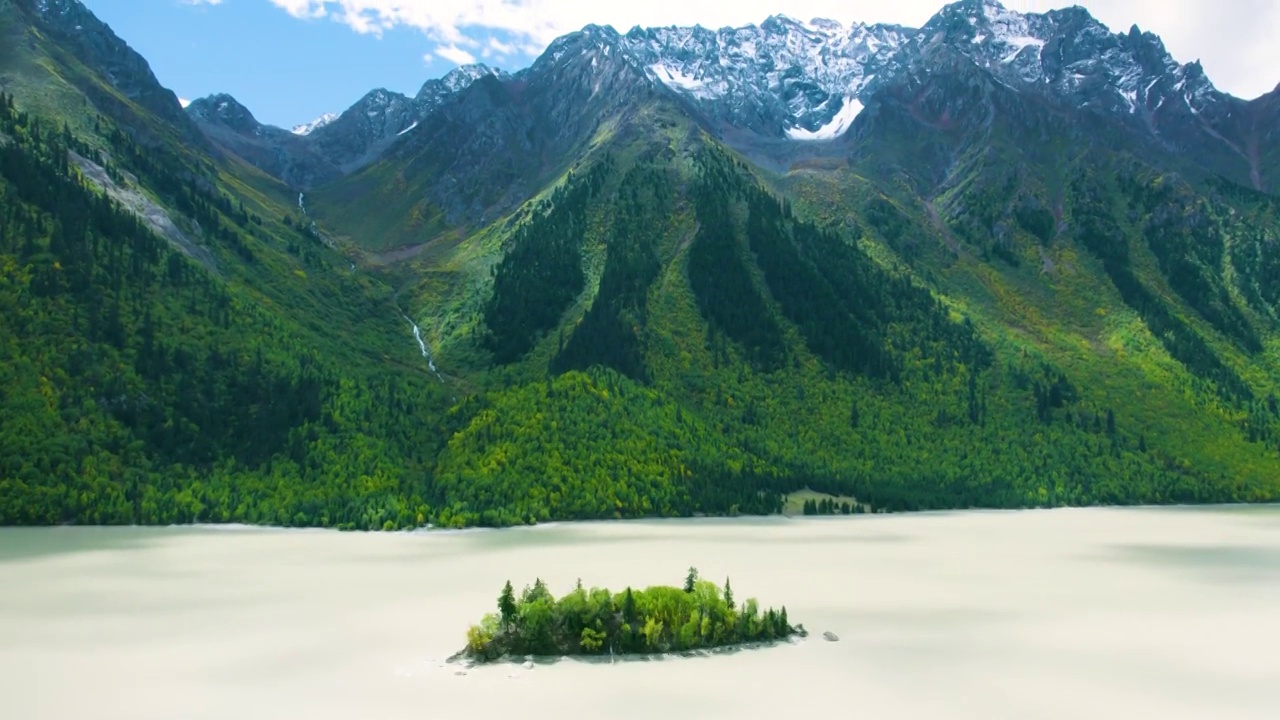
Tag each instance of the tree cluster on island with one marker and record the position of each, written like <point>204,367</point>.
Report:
<point>659,619</point>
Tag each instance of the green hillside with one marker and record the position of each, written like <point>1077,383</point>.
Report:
<point>832,365</point>
<point>145,384</point>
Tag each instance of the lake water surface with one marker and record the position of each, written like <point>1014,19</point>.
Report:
<point>1106,613</point>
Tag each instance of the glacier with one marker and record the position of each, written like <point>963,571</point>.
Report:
<point>842,121</point>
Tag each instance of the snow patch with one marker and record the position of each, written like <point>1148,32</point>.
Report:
<point>411,127</point>
<point>674,78</point>
<point>308,128</point>
<point>1131,96</point>
<point>842,121</point>
<point>1019,44</point>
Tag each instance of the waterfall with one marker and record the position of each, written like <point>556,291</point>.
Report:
<point>422,345</point>
<point>302,203</point>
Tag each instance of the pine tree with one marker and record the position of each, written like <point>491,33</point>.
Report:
<point>507,605</point>
<point>629,608</point>
<point>690,580</point>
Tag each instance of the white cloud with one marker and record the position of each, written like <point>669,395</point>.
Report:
<point>183,101</point>
<point>1234,39</point>
<point>453,54</point>
<point>497,46</point>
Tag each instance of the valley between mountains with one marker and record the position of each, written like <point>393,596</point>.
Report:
<point>1003,260</point>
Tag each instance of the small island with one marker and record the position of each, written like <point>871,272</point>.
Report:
<point>660,619</point>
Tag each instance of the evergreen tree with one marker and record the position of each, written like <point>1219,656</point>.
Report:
<point>691,580</point>
<point>507,605</point>
<point>629,608</point>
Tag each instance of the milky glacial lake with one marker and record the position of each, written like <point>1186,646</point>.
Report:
<point>1097,613</point>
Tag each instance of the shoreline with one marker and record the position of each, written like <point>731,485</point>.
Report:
<point>232,528</point>
<point>464,661</point>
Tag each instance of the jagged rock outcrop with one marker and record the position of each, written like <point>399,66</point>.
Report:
<point>283,154</point>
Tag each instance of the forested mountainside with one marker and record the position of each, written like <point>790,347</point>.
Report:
<point>603,287</point>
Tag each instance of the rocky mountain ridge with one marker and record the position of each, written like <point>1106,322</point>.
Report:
<point>809,81</point>
<point>334,144</point>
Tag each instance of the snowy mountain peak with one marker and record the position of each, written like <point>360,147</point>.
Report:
<point>782,78</point>
<point>780,23</point>
<point>788,78</point>
<point>1065,53</point>
<point>308,128</point>
<point>455,81</point>
<point>461,77</point>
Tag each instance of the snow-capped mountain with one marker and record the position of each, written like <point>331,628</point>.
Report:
<point>456,80</point>
<point>783,77</point>
<point>1070,54</point>
<point>308,128</point>
<point>787,79</point>
<point>809,80</point>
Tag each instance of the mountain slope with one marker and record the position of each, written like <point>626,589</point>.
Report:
<point>1094,274</point>
<point>169,342</point>
<point>889,399</point>
<point>492,146</point>
<point>361,134</point>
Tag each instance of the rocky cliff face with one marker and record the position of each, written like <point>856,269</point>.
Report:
<point>282,154</point>
<point>791,78</point>
<point>781,78</point>
<point>811,80</point>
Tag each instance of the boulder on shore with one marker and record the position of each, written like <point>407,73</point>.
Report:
<point>830,636</point>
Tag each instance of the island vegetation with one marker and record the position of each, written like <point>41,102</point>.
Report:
<point>697,616</point>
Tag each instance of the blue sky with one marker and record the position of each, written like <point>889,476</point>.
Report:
<point>287,71</point>
<point>289,61</point>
